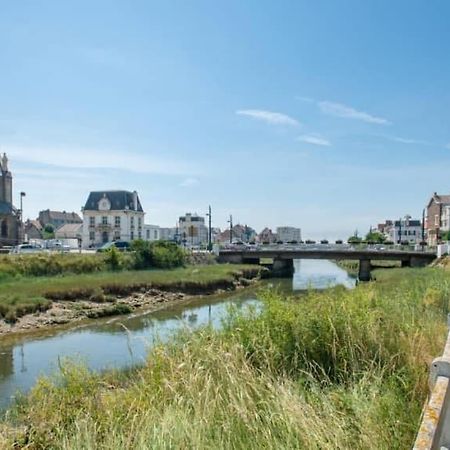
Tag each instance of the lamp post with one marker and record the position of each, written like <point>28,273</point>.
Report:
<point>231,228</point>
<point>21,237</point>
<point>209,229</point>
<point>423,227</point>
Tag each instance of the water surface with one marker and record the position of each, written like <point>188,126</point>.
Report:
<point>125,340</point>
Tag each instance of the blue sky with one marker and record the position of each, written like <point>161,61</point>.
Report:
<point>326,115</point>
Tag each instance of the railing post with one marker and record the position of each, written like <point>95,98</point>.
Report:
<point>434,432</point>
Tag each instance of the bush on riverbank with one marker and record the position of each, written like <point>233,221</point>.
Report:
<point>14,306</point>
<point>158,255</point>
<point>338,369</point>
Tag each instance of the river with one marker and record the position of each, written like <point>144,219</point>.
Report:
<point>125,340</point>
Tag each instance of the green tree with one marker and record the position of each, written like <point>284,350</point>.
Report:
<point>376,237</point>
<point>354,240</point>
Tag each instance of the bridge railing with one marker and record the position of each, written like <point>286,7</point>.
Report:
<point>434,432</point>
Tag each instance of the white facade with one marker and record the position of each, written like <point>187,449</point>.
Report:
<point>445,218</point>
<point>192,229</point>
<point>168,234</point>
<point>151,233</point>
<point>405,230</point>
<point>288,234</point>
<point>112,216</point>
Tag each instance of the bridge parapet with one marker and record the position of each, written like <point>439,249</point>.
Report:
<point>434,432</point>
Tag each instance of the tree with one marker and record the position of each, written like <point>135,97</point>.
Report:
<point>49,231</point>
<point>445,236</point>
<point>354,239</point>
<point>376,237</point>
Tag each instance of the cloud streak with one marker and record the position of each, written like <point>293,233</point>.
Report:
<point>272,118</point>
<point>347,112</point>
<point>188,182</point>
<point>314,139</point>
<point>77,158</point>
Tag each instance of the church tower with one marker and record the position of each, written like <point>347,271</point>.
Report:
<point>6,181</point>
<point>10,223</point>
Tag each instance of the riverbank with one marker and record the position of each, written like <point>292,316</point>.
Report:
<point>352,266</point>
<point>72,298</point>
<point>340,368</point>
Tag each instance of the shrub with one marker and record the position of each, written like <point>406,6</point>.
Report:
<point>113,259</point>
<point>158,254</point>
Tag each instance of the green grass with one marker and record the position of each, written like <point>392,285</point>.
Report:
<point>30,294</point>
<point>340,369</point>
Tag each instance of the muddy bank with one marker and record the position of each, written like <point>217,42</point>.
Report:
<point>118,300</point>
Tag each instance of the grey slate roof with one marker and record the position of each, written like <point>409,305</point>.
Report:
<point>120,200</point>
<point>63,215</point>
<point>412,223</point>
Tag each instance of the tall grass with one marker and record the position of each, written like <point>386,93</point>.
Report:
<point>333,370</point>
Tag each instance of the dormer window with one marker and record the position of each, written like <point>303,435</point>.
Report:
<point>104,204</point>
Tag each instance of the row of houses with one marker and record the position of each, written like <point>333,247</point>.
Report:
<point>119,215</point>
<point>434,227</point>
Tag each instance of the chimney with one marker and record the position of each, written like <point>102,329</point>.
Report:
<point>135,201</point>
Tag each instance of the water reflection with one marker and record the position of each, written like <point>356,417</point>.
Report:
<point>319,274</point>
<point>124,341</point>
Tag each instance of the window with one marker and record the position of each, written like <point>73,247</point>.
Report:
<point>139,222</point>
<point>148,234</point>
<point>117,221</point>
<point>92,221</point>
<point>139,235</point>
<point>155,234</point>
<point>104,220</point>
<point>436,220</point>
<point>132,235</point>
<point>132,222</point>
<point>92,234</point>
<point>117,235</point>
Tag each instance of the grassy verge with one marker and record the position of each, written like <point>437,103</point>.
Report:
<point>333,370</point>
<point>352,266</point>
<point>30,294</point>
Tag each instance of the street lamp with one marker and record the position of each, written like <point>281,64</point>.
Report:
<point>231,228</point>
<point>22,195</point>
<point>209,229</point>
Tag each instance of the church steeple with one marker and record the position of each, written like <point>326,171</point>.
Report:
<point>6,181</point>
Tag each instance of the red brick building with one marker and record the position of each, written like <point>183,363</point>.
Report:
<point>433,222</point>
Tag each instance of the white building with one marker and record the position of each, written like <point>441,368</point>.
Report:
<point>445,218</point>
<point>151,233</point>
<point>168,233</point>
<point>405,230</point>
<point>289,234</point>
<point>192,229</point>
<point>112,216</point>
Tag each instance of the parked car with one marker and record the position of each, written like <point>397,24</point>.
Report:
<point>122,246</point>
<point>56,244</point>
<point>28,248</point>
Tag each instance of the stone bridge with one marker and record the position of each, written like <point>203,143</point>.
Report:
<point>283,258</point>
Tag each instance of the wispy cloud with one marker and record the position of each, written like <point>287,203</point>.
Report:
<point>347,112</point>
<point>188,182</point>
<point>273,118</point>
<point>314,139</point>
<point>77,158</point>
<point>408,141</point>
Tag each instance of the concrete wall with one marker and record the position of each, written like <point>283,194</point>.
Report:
<point>434,432</point>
